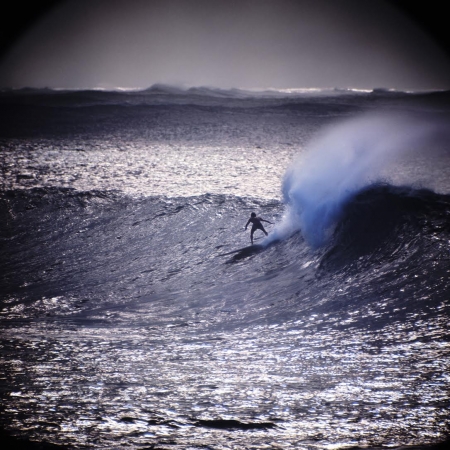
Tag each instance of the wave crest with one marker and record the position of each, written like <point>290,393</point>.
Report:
<point>339,163</point>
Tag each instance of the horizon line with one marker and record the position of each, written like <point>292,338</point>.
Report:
<point>255,90</point>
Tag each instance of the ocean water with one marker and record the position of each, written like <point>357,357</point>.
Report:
<point>135,315</point>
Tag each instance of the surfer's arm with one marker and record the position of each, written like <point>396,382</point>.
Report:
<point>264,220</point>
<point>246,225</point>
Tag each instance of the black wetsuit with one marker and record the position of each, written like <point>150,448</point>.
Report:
<point>256,225</point>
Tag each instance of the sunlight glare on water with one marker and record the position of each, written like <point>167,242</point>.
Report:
<point>329,388</point>
<point>137,168</point>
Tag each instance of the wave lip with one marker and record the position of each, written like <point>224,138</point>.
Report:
<point>347,157</point>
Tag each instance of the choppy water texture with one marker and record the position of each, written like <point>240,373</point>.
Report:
<point>128,321</point>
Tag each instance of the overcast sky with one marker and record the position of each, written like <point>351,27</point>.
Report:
<point>226,43</point>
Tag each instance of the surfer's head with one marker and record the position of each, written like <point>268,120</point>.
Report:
<point>253,215</point>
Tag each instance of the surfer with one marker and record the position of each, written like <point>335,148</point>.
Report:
<point>256,225</point>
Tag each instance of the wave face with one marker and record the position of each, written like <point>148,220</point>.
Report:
<point>134,313</point>
<point>173,253</point>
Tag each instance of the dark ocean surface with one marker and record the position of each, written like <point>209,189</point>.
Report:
<point>135,315</point>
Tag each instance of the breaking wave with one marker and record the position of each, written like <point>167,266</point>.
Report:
<point>341,161</point>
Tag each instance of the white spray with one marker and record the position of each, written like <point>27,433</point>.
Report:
<point>338,163</point>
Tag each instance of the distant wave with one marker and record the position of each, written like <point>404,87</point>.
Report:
<point>209,91</point>
<point>33,111</point>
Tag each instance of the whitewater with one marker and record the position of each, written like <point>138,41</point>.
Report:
<point>131,319</point>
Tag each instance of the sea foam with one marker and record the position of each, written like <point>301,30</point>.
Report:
<point>340,161</point>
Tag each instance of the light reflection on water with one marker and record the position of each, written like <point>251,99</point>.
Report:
<point>313,384</point>
<point>284,385</point>
<point>140,168</point>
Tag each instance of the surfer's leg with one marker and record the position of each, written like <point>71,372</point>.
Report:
<point>264,231</point>
<point>251,233</point>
